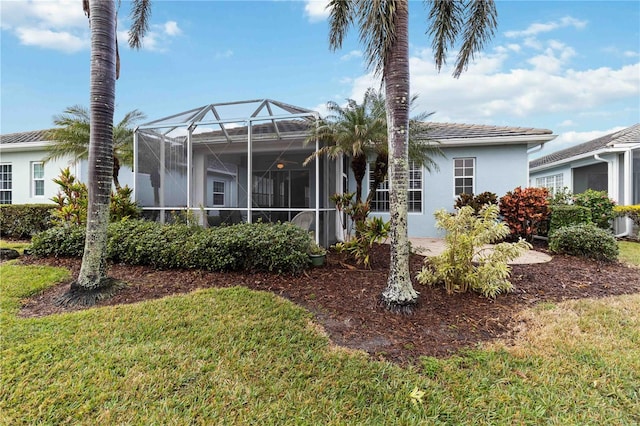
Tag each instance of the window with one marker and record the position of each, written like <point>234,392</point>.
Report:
<point>6,183</point>
<point>380,201</point>
<point>37,176</point>
<point>218,193</point>
<point>552,183</point>
<point>464,172</point>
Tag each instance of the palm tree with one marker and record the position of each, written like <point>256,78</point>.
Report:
<point>356,130</point>
<point>92,282</point>
<point>71,137</point>
<point>384,31</point>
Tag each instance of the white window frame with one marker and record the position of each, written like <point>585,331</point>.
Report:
<point>223,193</point>
<point>553,183</point>
<point>35,180</point>
<point>463,168</point>
<point>6,186</point>
<point>383,189</point>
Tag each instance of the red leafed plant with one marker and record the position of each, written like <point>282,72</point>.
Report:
<point>524,209</point>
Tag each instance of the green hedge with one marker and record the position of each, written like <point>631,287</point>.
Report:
<point>279,248</point>
<point>24,220</point>
<point>586,240</point>
<point>567,215</point>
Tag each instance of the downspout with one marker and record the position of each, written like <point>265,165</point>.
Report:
<point>626,164</point>
<point>529,152</point>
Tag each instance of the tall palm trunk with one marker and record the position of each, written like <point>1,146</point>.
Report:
<point>399,293</point>
<point>359,168</point>
<point>102,101</point>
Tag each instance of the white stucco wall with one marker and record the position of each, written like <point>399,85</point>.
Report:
<point>21,165</point>
<point>498,169</point>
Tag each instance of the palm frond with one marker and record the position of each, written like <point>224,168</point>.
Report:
<point>140,15</point>
<point>444,22</point>
<point>340,19</point>
<point>377,30</point>
<point>479,27</point>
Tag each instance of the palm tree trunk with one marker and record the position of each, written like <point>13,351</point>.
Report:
<point>399,294</point>
<point>359,168</point>
<point>116,172</point>
<point>102,94</point>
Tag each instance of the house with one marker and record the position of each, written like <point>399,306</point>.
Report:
<point>24,176</point>
<point>609,163</point>
<point>247,163</point>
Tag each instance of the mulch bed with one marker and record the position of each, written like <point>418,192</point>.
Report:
<point>345,299</point>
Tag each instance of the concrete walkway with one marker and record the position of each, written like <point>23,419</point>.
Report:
<point>435,246</point>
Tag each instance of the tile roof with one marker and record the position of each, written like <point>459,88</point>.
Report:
<point>628,135</point>
<point>21,137</point>
<point>441,131</point>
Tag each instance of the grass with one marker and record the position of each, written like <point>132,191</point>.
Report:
<point>629,252</point>
<point>235,356</point>
<point>16,245</point>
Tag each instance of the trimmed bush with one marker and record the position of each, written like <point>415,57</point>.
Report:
<point>600,204</point>
<point>59,241</point>
<point>567,215</point>
<point>586,240</point>
<point>524,210</point>
<point>278,248</point>
<point>24,220</point>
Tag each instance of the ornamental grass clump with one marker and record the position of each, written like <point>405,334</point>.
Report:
<point>467,263</point>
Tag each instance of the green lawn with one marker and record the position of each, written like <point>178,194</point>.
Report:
<point>235,356</point>
<point>629,252</point>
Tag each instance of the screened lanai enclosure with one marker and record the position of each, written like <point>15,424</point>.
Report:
<point>235,162</point>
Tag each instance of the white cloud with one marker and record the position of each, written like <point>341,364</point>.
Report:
<point>59,25</point>
<point>351,55</point>
<point>630,54</point>
<point>316,10</point>
<point>573,138</point>
<point>47,39</point>
<point>226,54</point>
<point>171,28</point>
<point>538,28</point>
<point>567,123</point>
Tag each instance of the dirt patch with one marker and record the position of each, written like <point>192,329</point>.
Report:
<point>345,299</point>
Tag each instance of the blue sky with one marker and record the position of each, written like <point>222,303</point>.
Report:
<point>569,66</point>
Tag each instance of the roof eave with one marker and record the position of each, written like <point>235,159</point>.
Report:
<point>25,146</point>
<point>600,151</point>
<point>529,140</point>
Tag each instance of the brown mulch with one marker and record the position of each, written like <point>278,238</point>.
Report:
<point>345,299</point>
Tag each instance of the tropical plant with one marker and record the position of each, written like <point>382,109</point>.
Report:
<point>476,202</point>
<point>384,31</point>
<point>600,204</point>
<point>371,231</point>
<point>466,262</point>
<point>524,209</point>
<point>92,282</point>
<point>71,137</point>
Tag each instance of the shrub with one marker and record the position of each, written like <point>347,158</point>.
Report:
<point>600,204</point>
<point>476,202</point>
<point>24,220</point>
<point>524,209</point>
<point>122,206</point>
<point>59,241</point>
<point>466,263</point>
<point>567,215</point>
<point>586,240</point>
<point>562,196</point>
<point>279,248</point>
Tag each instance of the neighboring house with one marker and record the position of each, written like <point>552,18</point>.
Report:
<point>26,179</point>
<point>610,163</point>
<point>247,160</point>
